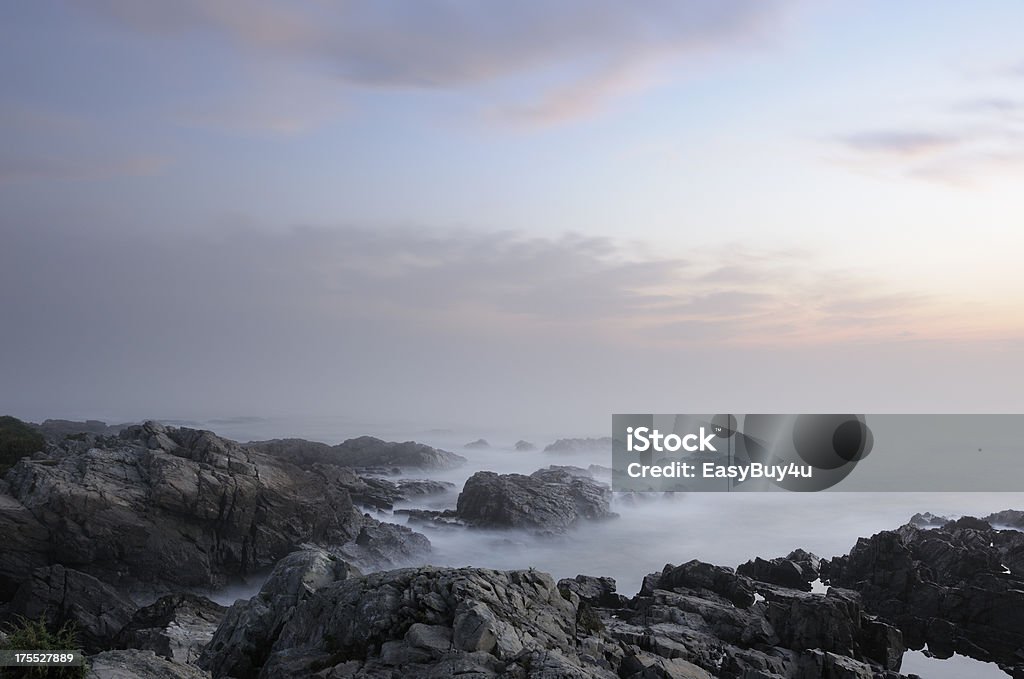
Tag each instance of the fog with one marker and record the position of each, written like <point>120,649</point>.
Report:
<point>721,528</point>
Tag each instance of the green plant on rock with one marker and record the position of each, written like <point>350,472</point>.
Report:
<point>36,635</point>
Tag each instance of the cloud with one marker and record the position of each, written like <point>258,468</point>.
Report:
<point>437,326</point>
<point>31,168</point>
<point>900,142</point>
<point>563,60</point>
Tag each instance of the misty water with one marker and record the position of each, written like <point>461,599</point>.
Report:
<point>720,528</point>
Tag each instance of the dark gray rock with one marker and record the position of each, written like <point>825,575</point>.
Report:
<point>242,642</point>
<point>61,595</point>
<point>583,445</point>
<point>361,452</point>
<point>60,429</point>
<point>547,500</point>
<point>367,451</point>
<point>161,508</point>
<point>797,570</point>
<point>176,627</point>
<point>136,664</point>
<point>524,446</point>
<point>943,587</point>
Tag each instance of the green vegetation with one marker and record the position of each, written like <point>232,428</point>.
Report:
<point>17,440</point>
<point>35,635</point>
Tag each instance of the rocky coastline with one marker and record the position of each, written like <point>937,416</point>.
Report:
<point>117,530</point>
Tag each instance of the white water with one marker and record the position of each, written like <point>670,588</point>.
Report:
<point>956,667</point>
<point>720,528</point>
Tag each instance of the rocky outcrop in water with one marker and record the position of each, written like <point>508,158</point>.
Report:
<point>364,452</point>
<point>162,508</point>
<point>548,500</point>
<point>584,445</point>
<point>524,446</point>
<point>944,587</point>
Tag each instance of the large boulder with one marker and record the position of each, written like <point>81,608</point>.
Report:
<point>243,640</point>
<point>549,500</point>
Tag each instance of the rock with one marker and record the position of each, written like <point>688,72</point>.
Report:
<point>26,544</point>
<point>594,591</point>
<point>479,444</point>
<point>411,488</point>
<point>781,571</point>
<point>943,587</point>
<point>135,664</point>
<point>385,543</point>
<point>547,500</point>
<point>243,640</point>
<point>61,595</point>
<point>928,520</point>
<point>697,575</point>
<point>60,429</point>
<point>524,446</point>
<point>404,616</point>
<point>367,451</point>
<point>361,452</point>
<point>584,445</point>
<point>1012,518</point>
<point>162,508</point>
<point>176,627</point>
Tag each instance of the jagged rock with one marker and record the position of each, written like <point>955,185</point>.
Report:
<point>594,591</point>
<point>524,446</point>
<point>176,626</point>
<point>1012,518</point>
<point>943,587</point>
<point>547,500</point>
<point>361,452</point>
<point>367,451</point>
<point>697,575</point>
<point>584,445</point>
<point>384,543</point>
<point>928,520</point>
<point>411,488</point>
<point>797,570</point>
<point>479,444</point>
<point>167,508</point>
<point>61,595</point>
<point>136,664</point>
<point>243,640</point>
<point>26,543</point>
<point>406,616</point>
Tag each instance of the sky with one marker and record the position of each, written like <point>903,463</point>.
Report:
<point>516,215</point>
